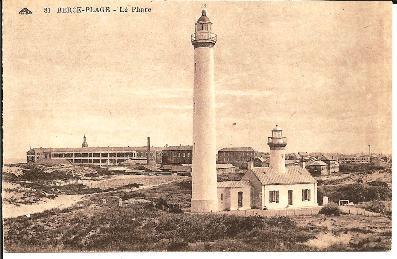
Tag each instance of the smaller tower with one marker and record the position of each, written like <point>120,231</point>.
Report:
<point>277,144</point>
<point>85,144</point>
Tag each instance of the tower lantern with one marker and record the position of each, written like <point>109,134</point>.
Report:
<point>204,179</point>
<point>277,144</point>
<point>203,36</point>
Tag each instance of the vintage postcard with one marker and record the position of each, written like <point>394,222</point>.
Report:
<point>196,126</point>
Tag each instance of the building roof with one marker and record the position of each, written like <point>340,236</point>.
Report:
<point>180,168</point>
<point>260,159</point>
<point>237,149</point>
<point>233,184</point>
<point>97,149</point>
<point>293,175</point>
<point>317,163</point>
<point>327,157</point>
<point>174,148</point>
<point>354,156</point>
<point>224,166</point>
<point>277,128</point>
<point>290,161</point>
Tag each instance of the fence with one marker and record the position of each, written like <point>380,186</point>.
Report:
<point>298,212</point>
<point>274,213</point>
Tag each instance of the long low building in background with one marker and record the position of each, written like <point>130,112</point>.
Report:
<point>354,159</point>
<point>96,155</point>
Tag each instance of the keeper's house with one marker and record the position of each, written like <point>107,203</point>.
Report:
<point>295,188</point>
<point>273,187</point>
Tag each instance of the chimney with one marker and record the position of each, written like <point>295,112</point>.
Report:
<point>303,163</point>
<point>148,151</point>
<point>369,152</point>
<point>250,165</point>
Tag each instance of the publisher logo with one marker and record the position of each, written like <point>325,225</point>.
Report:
<point>25,11</point>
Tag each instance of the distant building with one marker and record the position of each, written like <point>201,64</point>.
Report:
<point>354,159</point>
<point>332,163</point>
<point>177,155</point>
<point>291,163</point>
<point>237,156</point>
<point>95,155</point>
<point>303,155</point>
<point>183,170</point>
<point>225,168</point>
<point>260,162</point>
<point>317,168</point>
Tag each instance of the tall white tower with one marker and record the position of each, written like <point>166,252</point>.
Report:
<point>277,144</point>
<point>204,180</point>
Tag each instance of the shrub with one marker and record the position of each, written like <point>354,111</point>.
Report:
<point>369,168</point>
<point>378,183</point>
<point>163,205</point>
<point>357,192</point>
<point>320,195</point>
<point>378,207</point>
<point>185,185</point>
<point>177,246</point>
<point>330,209</point>
<point>127,196</point>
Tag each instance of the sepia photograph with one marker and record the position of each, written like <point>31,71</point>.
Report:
<point>196,126</point>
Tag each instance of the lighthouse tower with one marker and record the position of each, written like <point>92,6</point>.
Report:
<point>277,144</point>
<point>204,180</point>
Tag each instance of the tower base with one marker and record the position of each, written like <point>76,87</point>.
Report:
<point>204,206</point>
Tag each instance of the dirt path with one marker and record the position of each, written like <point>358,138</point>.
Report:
<point>65,201</point>
<point>61,202</point>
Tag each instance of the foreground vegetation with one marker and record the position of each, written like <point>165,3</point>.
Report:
<point>158,219</point>
<point>148,220</point>
<point>144,227</point>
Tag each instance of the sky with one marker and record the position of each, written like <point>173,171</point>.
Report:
<point>320,70</point>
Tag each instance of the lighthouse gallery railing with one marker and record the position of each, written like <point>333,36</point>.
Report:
<point>204,36</point>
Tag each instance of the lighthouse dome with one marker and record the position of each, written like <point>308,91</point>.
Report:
<point>277,128</point>
<point>203,18</point>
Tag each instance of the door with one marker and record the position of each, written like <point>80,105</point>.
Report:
<point>240,199</point>
<point>289,197</point>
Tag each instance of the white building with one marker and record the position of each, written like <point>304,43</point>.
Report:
<point>234,195</point>
<point>273,187</point>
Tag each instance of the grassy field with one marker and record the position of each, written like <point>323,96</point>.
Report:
<point>158,219</point>
<point>93,225</point>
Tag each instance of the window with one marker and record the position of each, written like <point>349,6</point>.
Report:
<point>305,195</point>
<point>274,196</point>
<point>221,196</point>
<point>240,199</point>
